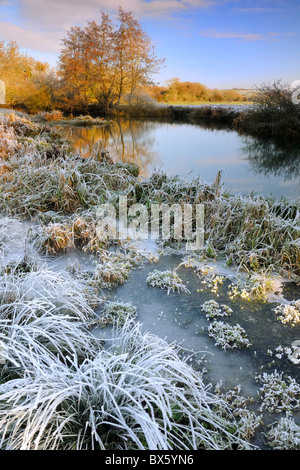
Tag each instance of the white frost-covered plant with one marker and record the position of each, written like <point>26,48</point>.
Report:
<point>284,435</point>
<point>253,286</point>
<point>117,312</point>
<point>168,280</point>
<point>289,313</point>
<point>279,393</point>
<point>137,394</point>
<point>212,309</point>
<point>227,336</point>
<point>248,420</point>
<point>27,296</point>
<point>44,309</point>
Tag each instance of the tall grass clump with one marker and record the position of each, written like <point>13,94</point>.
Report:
<point>135,394</point>
<point>43,307</point>
<point>255,232</point>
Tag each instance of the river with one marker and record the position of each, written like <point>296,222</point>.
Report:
<point>189,150</point>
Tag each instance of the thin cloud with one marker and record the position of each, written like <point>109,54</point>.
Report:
<point>256,10</point>
<point>44,23</point>
<point>62,13</point>
<point>270,36</point>
<point>29,38</point>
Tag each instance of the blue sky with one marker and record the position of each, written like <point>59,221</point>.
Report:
<point>221,43</point>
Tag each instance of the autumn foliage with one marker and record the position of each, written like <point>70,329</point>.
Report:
<point>105,62</point>
<point>101,65</point>
<point>29,83</point>
<point>191,92</point>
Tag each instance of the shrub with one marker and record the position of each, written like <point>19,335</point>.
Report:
<point>274,115</point>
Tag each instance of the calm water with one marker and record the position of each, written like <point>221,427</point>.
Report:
<point>188,149</point>
<point>178,317</point>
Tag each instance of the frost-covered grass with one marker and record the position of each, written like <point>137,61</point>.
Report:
<point>279,393</point>
<point>284,435</point>
<point>114,267</point>
<point>249,421</point>
<point>227,336</point>
<point>290,313</point>
<point>27,296</point>
<point>253,286</point>
<point>209,279</point>
<point>117,312</point>
<point>56,234</point>
<point>212,309</point>
<point>61,389</point>
<point>168,280</point>
<point>42,310</point>
<point>136,394</point>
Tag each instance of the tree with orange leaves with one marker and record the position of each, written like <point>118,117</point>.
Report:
<point>103,62</point>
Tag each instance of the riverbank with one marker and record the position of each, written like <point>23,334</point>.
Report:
<point>213,113</point>
<point>246,119</point>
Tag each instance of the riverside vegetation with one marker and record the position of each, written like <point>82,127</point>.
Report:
<point>63,388</point>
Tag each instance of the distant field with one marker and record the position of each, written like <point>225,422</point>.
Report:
<point>248,93</point>
<point>245,93</point>
<point>207,103</point>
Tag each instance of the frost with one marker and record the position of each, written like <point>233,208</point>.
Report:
<point>168,280</point>
<point>213,309</point>
<point>279,393</point>
<point>290,313</point>
<point>227,336</point>
<point>284,435</point>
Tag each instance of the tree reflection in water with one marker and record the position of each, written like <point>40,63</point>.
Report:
<point>269,158</point>
<point>126,140</point>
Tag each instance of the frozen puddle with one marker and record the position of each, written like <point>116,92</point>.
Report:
<point>178,317</point>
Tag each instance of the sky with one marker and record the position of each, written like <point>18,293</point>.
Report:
<point>220,43</point>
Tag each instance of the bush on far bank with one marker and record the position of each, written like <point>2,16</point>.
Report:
<point>273,114</point>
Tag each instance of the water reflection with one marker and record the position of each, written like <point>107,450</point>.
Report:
<point>273,159</point>
<point>189,149</point>
<point>126,141</point>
